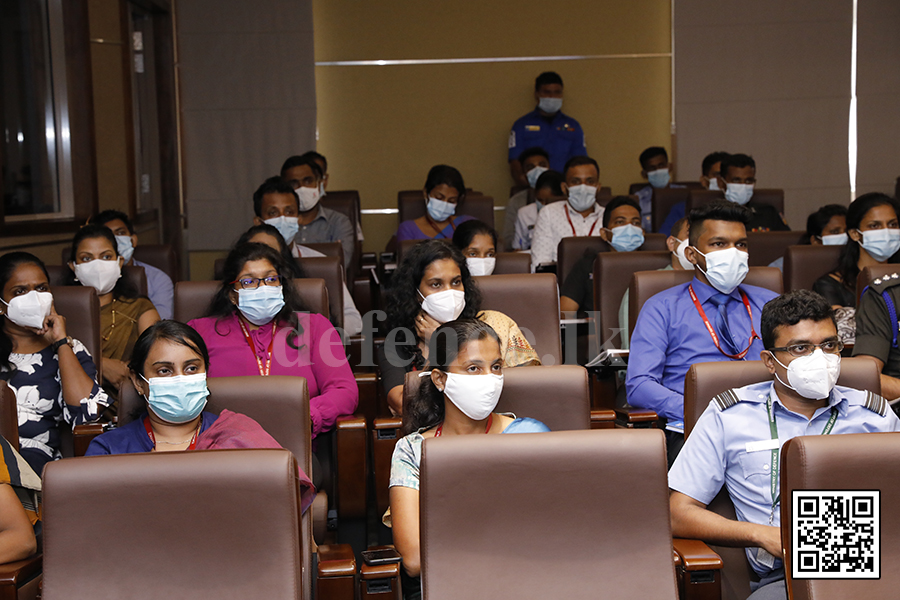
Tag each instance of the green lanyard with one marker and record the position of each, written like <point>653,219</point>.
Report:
<point>776,452</point>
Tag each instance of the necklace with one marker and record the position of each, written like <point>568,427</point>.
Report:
<point>155,442</point>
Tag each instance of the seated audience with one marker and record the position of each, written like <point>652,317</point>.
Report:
<point>580,216</point>
<point>478,243</point>
<point>432,286</point>
<point>802,352</point>
<point>827,226</point>
<point>655,168</point>
<point>51,374</point>
<point>534,162</point>
<point>160,288</point>
<point>268,235</point>
<point>323,164</point>
<point>457,397</point>
<point>710,179</point>
<point>621,230</point>
<point>549,187</point>
<point>257,307</point>
<point>95,262</point>
<point>20,505</point>
<point>739,174</point>
<point>444,194</point>
<point>713,317</point>
<point>315,223</point>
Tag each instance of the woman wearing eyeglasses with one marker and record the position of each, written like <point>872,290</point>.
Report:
<point>258,325</point>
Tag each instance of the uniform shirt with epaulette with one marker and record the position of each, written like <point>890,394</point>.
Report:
<point>877,325</point>
<point>732,444</point>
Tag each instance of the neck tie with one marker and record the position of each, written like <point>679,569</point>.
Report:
<point>725,339</point>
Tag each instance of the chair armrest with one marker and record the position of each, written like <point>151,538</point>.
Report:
<point>385,433</point>
<point>84,434</point>
<point>336,572</point>
<point>603,419</point>
<point>319,517</point>
<point>699,570</point>
<point>350,442</point>
<point>368,260</point>
<point>381,581</point>
<point>17,572</point>
<point>696,555</point>
<point>630,417</point>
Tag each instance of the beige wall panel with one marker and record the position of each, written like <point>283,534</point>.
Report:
<point>105,20</point>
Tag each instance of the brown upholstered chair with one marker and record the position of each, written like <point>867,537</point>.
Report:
<point>702,382</point>
<point>804,264</point>
<point>161,256</point>
<point>411,205</point>
<point>192,298</point>
<point>767,246</point>
<point>662,202</point>
<point>615,517</point>
<point>330,270</point>
<point>844,462</point>
<point>772,197</point>
<point>512,263</point>
<point>179,514</point>
<point>532,301</point>
<point>59,273</point>
<point>572,249</point>
<point>870,274</point>
<point>81,308</point>
<point>326,248</point>
<point>646,284</point>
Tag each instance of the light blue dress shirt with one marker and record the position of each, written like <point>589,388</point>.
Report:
<point>716,452</point>
<point>160,290</point>
<point>670,336</point>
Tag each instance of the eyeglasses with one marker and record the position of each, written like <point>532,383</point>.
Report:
<point>798,350</point>
<point>251,283</point>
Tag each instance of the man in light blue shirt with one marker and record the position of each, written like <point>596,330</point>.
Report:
<point>714,317</point>
<point>738,439</point>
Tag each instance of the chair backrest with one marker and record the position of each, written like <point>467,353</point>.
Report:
<point>177,513</point>
<point>766,246</point>
<point>161,256</point>
<point>646,284</point>
<point>844,462</point>
<point>330,270</point>
<point>604,195</point>
<point>572,249</point>
<point>192,298</point>
<point>512,263</point>
<point>557,396</point>
<point>411,205</point>
<point>346,202</point>
<point>772,197</point>
<point>662,201</point>
<point>81,308</point>
<point>9,415</point>
<point>404,246</point>
<point>700,197</point>
<point>612,276</point>
<point>870,274</point>
<point>136,275</point>
<point>804,264</point>
<point>613,519</point>
<point>532,301</point>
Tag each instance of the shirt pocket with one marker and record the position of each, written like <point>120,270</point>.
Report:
<point>757,466</point>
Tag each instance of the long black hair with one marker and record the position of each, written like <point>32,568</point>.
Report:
<point>847,267</point>
<point>448,340</point>
<point>222,306</point>
<point>466,232</point>
<point>9,262</point>
<point>123,289</point>
<point>816,222</point>
<point>283,248</point>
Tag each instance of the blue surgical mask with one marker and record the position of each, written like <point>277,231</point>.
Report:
<point>659,178</point>
<point>626,238</point>
<point>739,193</point>
<point>177,399</point>
<point>261,305</point>
<point>582,197</point>
<point>125,247</point>
<point>286,226</point>
<point>533,174</point>
<point>881,244</point>
<point>439,210</point>
<point>550,105</point>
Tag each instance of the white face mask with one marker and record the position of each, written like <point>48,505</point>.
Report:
<point>714,183</point>
<point>835,239</point>
<point>308,197</point>
<point>29,310</point>
<point>533,175</point>
<point>812,376</point>
<point>99,274</point>
<point>550,105</point>
<point>286,226</point>
<point>582,197</point>
<point>481,266</point>
<point>444,306</point>
<point>679,254</point>
<point>476,396</point>
<point>725,269</point>
<point>739,193</point>
<point>125,247</point>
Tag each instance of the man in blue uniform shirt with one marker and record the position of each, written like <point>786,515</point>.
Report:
<point>546,127</point>
<point>739,436</point>
<point>712,318</point>
<point>655,168</point>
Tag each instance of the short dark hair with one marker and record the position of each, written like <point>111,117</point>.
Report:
<point>299,161</point>
<point>547,78</point>
<point>446,175</point>
<point>817,221</point>
<point>652,152</point>
<point>464,233</point>
<point>283,248</point>
<point>316,157</point>
<point>106,216</point>
<point>533,151</point>
<point>577,161</point>
<point>678,225</point>
<point>720,210</point>
<point>738,161</point>
<point>791,308</point>
<point>272,185</point>
<point>616,203</point>
<point>712,159</point>
<point>550,179</point>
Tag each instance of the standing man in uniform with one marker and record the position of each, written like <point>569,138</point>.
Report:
<point>547,127</point>
<point>876,331</point>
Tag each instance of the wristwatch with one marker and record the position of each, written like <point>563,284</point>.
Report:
<point>59,343</point>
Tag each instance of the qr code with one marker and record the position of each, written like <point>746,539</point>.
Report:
<point>836,534</point>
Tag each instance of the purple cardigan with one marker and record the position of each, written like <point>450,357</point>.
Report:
<point>320,359</point>
<point>408,230</point>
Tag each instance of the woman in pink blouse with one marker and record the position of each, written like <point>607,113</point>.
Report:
<point>258,325</point>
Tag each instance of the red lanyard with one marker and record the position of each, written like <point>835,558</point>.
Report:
<point>440,428</point>
<point>712,332</point>
<point>149,429</point>
<point>590,233</point>
<point>263,370</point>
